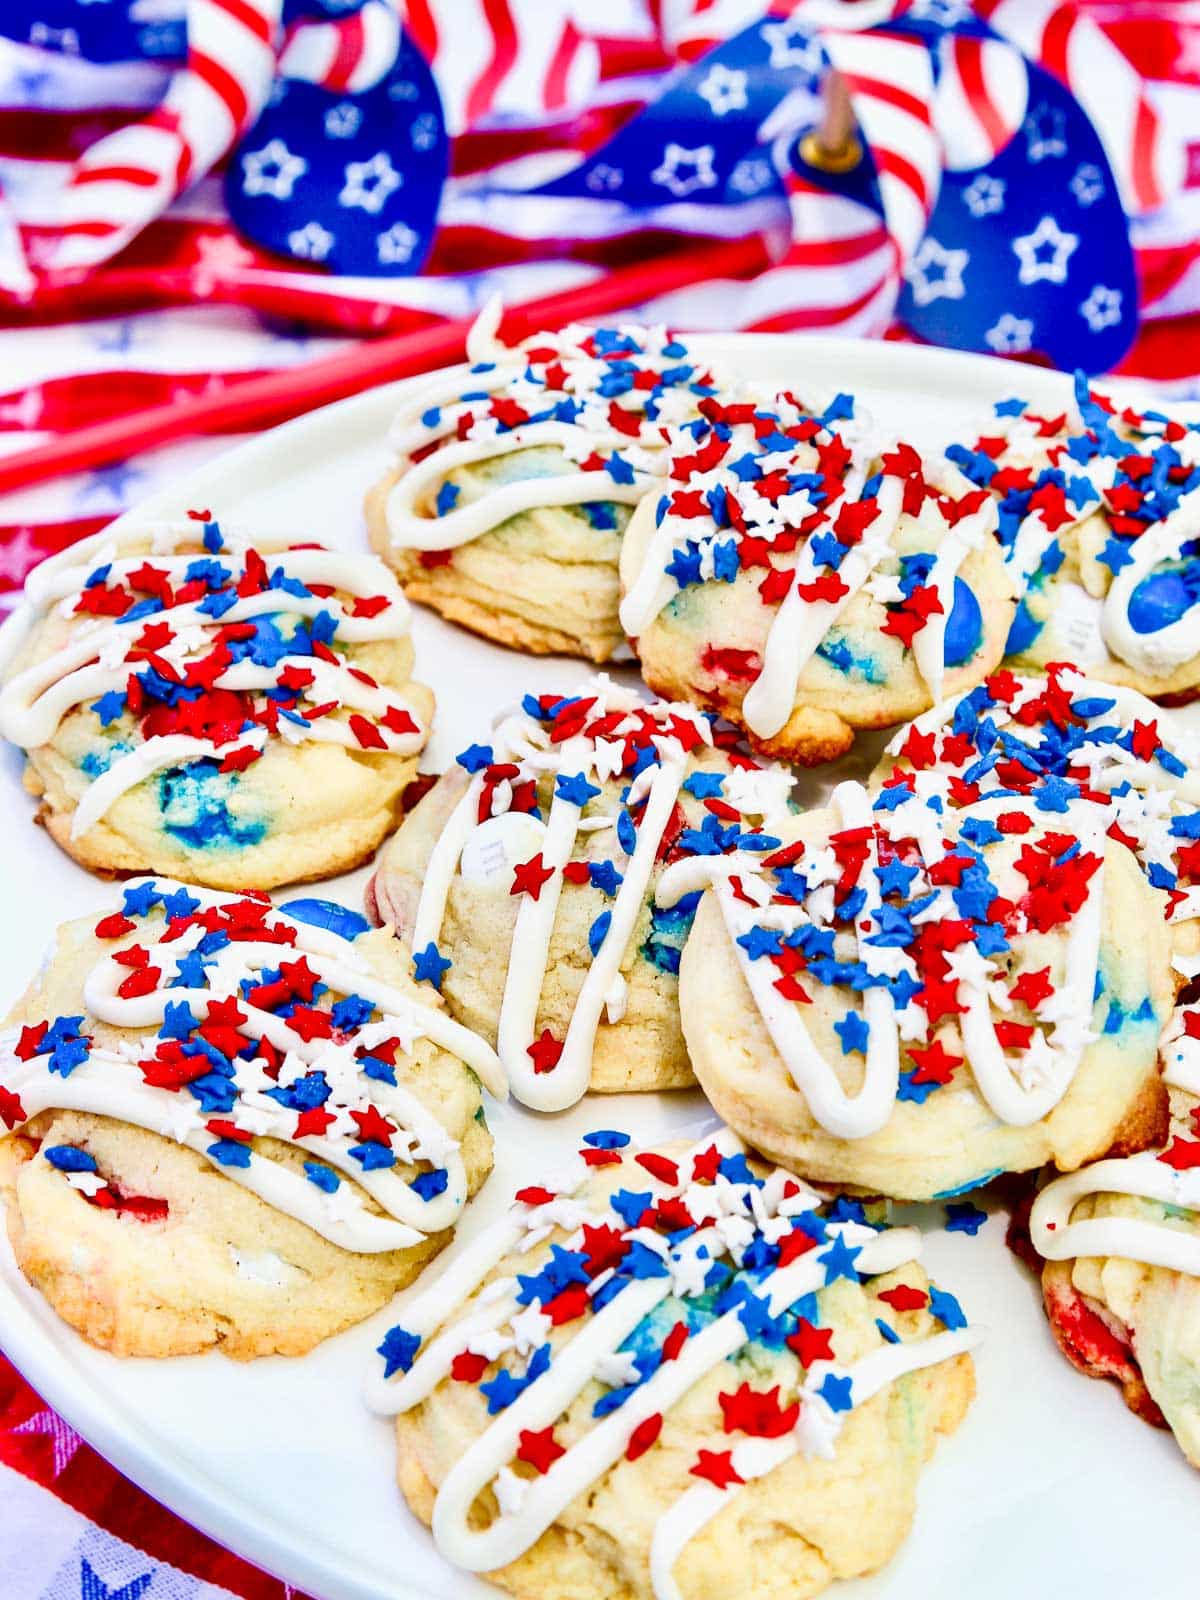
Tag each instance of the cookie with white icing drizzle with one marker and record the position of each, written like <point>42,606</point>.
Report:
<point>221,1124</point>
<point>525,882</point>
<point>913,999</point>
<point>513,482</point>
<point>1062,737</point>
<point>673,1373</point>
<point>807,580</point>
<point>1121,1246</point>
<point>237,710</point>
<point>1099,518</point>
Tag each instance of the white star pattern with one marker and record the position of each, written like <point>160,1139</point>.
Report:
<point>936,273</point>
<point>604,178</point>
<point>1009,335</point>
<point>1045,133</point>
<point>403,89</point>
<point>1030,250</point>
<point>369,183</point>
<point>944,12</point>
<point>273,171</point>
<point>64,1441</point>
<point>423,134</point>
<point>751,176</point>
<point>343,120</point>
<point>984,195</point>
<point>312,241</point>
<point>683,171</point>
<point>724,88</point>
<point>1102,308</point>
<point>396,246</point>
<point>18,554</point>
<point>1087,184</point>
<point>64,39</point>
<point>793,46</point>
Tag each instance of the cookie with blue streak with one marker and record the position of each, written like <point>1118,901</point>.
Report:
<point>224,1126</point>
<point>1120,1242</point>
<point>807,581</point>
<point>671,1374</point>
<point>913,999</point>
<point>1099,512</point>
<point>237,710</point>
<point>513,482</point>
<point>525,882</point>
<point>1049,740</point>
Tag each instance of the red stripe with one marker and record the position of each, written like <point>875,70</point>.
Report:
<point>1159,270</point>
<point>253,20</point>
<point>504,54</point>
<point>555,88</point>
<point>900,168</point>
<point>968,55</point>
<point>891,93</point>
<point>814,316</point>
<point>1145,138</point>
<point>139,177</point>
<point>1055,39</point>
<point>223,84</point>
<point>418,19</point>
<point>834,252</point>
<point>47,538</point>
<point>89,397</point>
<point>1165,350</point>
<point>350,35</point>
<point>579,132</point>
<point>27,135</point>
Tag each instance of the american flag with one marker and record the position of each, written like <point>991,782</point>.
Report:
<point>534,96</point>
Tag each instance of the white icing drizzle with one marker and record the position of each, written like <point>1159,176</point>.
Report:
<point>800,625</point>
<point>528,1507</point>
<point>1152,654</point>
<point>433,417</point>
<point>1019,1090</point>
<point>109,1082</point>
<point>1143,1176</point>
<point>92,662</point>
<point>521,739</point>
<point>755,1458</point>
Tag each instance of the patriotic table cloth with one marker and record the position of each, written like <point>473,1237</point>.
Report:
<point>194,192</point>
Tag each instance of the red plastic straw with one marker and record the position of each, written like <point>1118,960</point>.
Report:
<point>265,401</point>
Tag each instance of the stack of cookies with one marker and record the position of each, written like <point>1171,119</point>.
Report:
<point>665,1371</point>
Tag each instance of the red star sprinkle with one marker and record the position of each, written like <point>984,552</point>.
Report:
<point>1182,1154</point>
<point>467,1367</point>
<point>811,1344</point>
<point>660,1167</point>
<point>114,926</point>
<point>934,1062</point>
<point>706,1165</point>
<point>544,1051</point>
<point>373,1127</point>
<point>540,1449</point>
<point>675,1341</point>
<point>904,1298</point>
<point>530,877</point>
<point>12,1111</point>
<point>643,1436</point>
<point>1031,988</point>
<point>30,1041</point>
<point>312,1124</point>
<point>717,1466</point>
<point>759,1414</point>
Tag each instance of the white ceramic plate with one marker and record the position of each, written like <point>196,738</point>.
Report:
<point>1049,1488</point>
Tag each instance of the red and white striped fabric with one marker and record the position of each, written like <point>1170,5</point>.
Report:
<point>125,179</point>
<point>981,98</point>
<point>1143,149</point>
